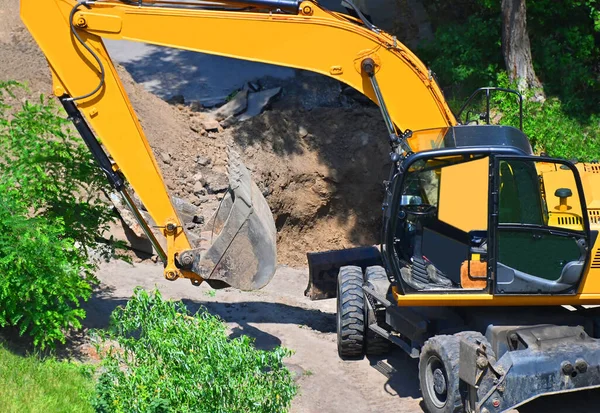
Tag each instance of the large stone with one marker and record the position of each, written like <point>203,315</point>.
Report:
<point>203,160</point>
<point>165,157</point>
<point>258,102</point>
<point>230,121</point>
<point>234,107</point>
<point>199,188</point>
<point>211,125</point>
<point>176,100</point>
<point>185,209</point>
<point>216,183</point>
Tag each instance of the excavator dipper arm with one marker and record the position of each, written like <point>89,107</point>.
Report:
<point>284,32</point>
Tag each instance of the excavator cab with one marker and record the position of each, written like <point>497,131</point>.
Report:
<point>445,238</point>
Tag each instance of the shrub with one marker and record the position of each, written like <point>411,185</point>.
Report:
<point>549,128</point>
<point>49,219</point>
<point>40,281</point>
<point>165,360</point>
<point>50,169</point>
<point>465,56</point>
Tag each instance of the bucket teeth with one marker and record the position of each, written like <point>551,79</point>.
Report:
<point>240,181</point>
<point>242,250</point>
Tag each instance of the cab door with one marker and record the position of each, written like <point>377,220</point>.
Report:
<point>540,226</point>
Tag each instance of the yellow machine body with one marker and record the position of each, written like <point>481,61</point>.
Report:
<point>313,39</point>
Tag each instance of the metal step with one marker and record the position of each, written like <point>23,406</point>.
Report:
<point>412,352</point>
<point>385,369</point>
<point>370,291</point>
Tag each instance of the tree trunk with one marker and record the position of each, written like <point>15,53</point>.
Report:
<point>516,47</point>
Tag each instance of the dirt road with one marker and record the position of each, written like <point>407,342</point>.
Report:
<point>281,315</point>
<point>277,315</point>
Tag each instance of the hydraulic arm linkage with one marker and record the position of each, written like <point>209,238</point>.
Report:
<point>285,32</point>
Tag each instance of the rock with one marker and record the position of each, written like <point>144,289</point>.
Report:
<point>363,138</point>
<point>198,219</point>
<point>126,215</point>
<point>198,177</point>
<point>200,199</point>
<point>234,107</point>
<point>190,225</point>
<point>302,132</point>
<point>196,127</point>
<point>230,121</point>
<point>185,209</point>
<point>253,86</point>
<point>216,183</point>
<point>198,188</point>
<point>259,101</point>
<point>165,157</point>
<point>176,100</point>
<point>202,160</point>
<point>210,125</point>
<point>196,106</point>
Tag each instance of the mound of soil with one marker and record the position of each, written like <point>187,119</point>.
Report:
<point>320,168</point>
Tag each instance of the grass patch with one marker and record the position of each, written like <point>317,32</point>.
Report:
<point>28,384</point>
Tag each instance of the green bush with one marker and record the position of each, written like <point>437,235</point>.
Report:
<point>465,56</point>
<point>49,219</point>
<point>50,169</point>
<point>549,128</point>
<point>40,281</point>
<point>158,358</point>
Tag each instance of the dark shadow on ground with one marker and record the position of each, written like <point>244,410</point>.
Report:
<point>244,314</point>
<point>403,382</point>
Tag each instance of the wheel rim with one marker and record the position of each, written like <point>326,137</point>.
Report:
<point>436,381</point>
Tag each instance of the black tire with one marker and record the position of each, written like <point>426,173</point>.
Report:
<point>375,344</point>
<point>350,314</point>
<point>438,375</point>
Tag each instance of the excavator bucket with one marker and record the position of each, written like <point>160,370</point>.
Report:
<point>239,240</point>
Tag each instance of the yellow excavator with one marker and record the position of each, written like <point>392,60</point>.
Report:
<point>489,259</point>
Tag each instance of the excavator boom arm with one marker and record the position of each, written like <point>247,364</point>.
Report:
<point>283,32</point>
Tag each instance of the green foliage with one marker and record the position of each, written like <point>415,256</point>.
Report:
<point>49,219</point>
<point>550,129</point>
<point>564,44</point>
<point>28,384</point>
<point>164,360</point>
<point>565,39</point>
<point>465,56</point>
<point>49,169</point>
<point>40,281</point>
<point>547,125</point>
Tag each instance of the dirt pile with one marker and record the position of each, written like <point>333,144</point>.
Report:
<point>319,156</point>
